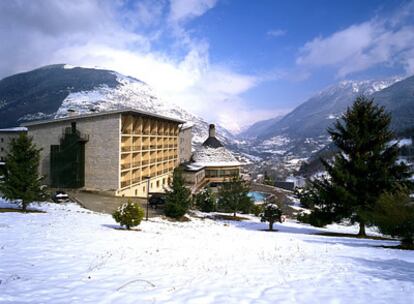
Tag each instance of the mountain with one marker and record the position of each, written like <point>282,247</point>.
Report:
<point>50,91</point>
<point>302,132</point>
<point>259,127</point>
<point>314,116</point>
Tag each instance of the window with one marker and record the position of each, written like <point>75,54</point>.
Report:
<point>151,186</point>
<point>163,181</point>
<point>158,183</point>
<point>143,189</point>
<point>2,149</point>
<point>2,140</point>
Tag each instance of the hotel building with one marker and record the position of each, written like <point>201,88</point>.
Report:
<point>120,152</point>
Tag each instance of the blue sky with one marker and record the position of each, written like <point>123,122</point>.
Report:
<point>232,62</point>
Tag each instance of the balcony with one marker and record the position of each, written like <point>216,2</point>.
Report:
<point>136,180</point>
<point>124,184</point>
<point>126,148</point>
<point>136,164</point>
<point>125,166</point>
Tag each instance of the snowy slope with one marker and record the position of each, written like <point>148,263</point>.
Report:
<point>50,91</point>
<point>132,93</point>
<point>71,255</point>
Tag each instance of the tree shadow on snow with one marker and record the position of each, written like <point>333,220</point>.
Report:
<point>393,269</point>
<point>352,242</point>
<point>118,227</point>
<point>280,227</point>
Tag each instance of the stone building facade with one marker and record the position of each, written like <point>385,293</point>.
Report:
<point>185,138</point>
<point>124,150</point>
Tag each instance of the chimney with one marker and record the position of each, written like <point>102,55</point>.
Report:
<point>72,112</point>
<point>212,131</point>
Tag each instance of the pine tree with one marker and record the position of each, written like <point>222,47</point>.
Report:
<point>361,172</point>
<point>21,180</point>
<point>178,200</point>
<point>394,215</point>
<point>268,180</point>
<point>205,201</point>
<point>271,214</point>
<point>233,196</point>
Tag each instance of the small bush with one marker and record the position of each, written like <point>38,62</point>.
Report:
<point>257,209</point>
<point>394,215</point>
<point>129,215</point>
<point>271,213</point>
<point>317,218</point>
<point>205,201</point>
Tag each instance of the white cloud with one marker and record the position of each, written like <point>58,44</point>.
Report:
<point>276,33</point>
<point>90,34</point>
<point>387,41</point>
<point>183,10</point>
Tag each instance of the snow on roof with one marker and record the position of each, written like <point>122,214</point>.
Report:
<point>212,157</point>
<point>103,113</point>
<point>187,125</point>
<point>192,167</point>
<point>15,129</point>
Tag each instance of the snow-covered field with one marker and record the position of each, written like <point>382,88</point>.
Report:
<point>71,255</point>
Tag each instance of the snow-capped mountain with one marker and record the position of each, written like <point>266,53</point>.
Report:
<point>303,130</point>
<point>51,91</point>
<point>311,118</point>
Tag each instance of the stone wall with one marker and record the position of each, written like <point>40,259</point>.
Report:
<point>102,153</point>
<point>184,145</point>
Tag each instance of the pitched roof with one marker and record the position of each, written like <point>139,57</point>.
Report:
<point>212,142</point>
<point>103,113</point>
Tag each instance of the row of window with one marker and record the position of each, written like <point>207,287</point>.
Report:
<point>164,182</point>
<point>222,173</point>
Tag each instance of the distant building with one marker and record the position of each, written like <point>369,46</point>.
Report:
<point>210,163</point>
<point>184,139</point>
<point>114,151</point>
<point>291,183</point>
<point>6,136</point>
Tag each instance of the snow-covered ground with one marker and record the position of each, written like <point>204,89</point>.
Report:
<point>72,255</point>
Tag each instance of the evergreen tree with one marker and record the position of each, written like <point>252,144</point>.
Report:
<point>233,196</point>
<point>21,180</point>
<point>271,214</point>
<point>268,180</point>
<point>394,215</point>
<point>361,172</point>
<point>178,200</point>
<point>129,215</point>
<point>205,201</point>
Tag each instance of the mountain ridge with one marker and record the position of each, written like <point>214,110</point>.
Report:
<point>50,91</point>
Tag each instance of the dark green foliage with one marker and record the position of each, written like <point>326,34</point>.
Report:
<point>364,169</point>
<point>268,180</point>
<point>257,209</point>
<point>394,215</point>
<point>129,215</point>
<point>271,214</point>
<point>233,197</point>
<point>205,201</point>
<point>178,200</point>
<point>21,180</point>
